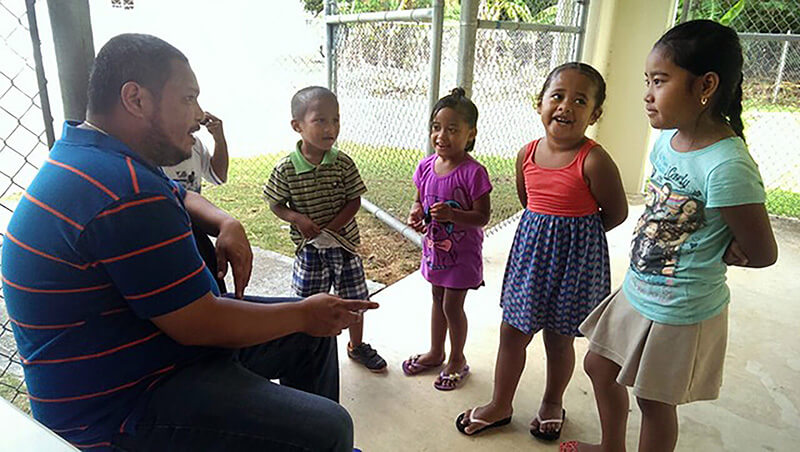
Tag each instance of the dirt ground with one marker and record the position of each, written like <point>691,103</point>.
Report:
<point>386,254</point>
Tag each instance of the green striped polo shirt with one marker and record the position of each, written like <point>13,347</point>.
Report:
<point>317,191</point>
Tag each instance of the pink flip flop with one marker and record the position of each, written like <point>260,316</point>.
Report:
<point>412,366</point>
<point>448,382</point>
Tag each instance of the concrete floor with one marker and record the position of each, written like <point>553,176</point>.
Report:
<point>759,407</point>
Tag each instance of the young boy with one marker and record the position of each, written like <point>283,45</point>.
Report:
<point>317,189</point>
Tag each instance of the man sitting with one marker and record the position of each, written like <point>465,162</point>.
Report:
<point>124,339</point>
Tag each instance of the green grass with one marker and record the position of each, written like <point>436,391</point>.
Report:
<point>386,171</point>
<point>783,203</point>
<point>12,387</point>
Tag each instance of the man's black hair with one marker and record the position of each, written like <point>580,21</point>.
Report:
<point>141,58</point>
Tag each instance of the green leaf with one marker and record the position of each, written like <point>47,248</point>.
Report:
<point>732,13</point>
<point>546,16</point>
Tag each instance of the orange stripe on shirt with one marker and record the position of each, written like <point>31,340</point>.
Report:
<point>47,327</point>
<point>64,430</point>
<point>89,446</point>
<point>115,311</point>
<point>77,290</point>
<point>43,254</point>
<point>133,175</point>
<point>88,178</point>
<point>93,355</point>
<point>101,393</point>
<point>131,204</point>
<point>53,211</point>
<point>146,249</point>
<point>168,286</point>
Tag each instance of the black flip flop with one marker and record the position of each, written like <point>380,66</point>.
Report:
<point>486,426</point>
<point>549,436</point>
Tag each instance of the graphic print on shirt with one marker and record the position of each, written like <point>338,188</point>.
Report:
<point>439,250</point>
<point>669,219</point>
<point>188,179</point>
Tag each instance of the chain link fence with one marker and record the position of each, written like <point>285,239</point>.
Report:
<point>23,149</point>
<point>382,72</point>
<point>770,37</point>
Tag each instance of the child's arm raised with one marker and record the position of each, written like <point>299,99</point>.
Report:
<point>522,194</point>
<point>308,228</point>
<point>349,210</point>
<point>606,186</point>
<point>752,236</point>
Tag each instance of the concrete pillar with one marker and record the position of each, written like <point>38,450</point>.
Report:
<point>74,46</point>
<point>619,36</point>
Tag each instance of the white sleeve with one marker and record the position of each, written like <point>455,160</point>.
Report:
<point>205,159</point>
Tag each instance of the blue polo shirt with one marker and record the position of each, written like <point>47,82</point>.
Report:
<point>99,243</point>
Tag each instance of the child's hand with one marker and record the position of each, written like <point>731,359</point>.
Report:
<point>308,228</point>
<point>214,126</point>
<point>734,255</point>
<point>415,218</point>
<point>442,212</point>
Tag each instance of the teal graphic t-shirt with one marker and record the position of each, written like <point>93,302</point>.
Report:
<point>677,275</point>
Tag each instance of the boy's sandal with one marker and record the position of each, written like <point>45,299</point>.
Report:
<point>552,435</point>
<point>448,382</point>
<point>485,425</point>
<point>365,355</point>
<point>568,446</point>
<point>412,366</point>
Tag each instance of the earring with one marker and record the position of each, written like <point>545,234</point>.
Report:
<point>704,100</point>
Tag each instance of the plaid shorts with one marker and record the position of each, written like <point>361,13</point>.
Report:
<point>315,270</point>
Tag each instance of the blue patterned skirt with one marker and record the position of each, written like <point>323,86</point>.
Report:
<point>557,272</point>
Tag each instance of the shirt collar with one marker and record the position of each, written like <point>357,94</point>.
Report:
<point>301,165</point>
<point>107,143</point>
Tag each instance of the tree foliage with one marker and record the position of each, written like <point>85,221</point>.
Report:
<point>539,11</point>
<point>749,16</point>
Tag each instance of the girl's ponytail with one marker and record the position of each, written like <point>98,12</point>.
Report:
<point>734,111</point>
<point>458,92</point>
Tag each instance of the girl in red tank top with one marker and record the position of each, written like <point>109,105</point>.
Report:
<point>558,268</point>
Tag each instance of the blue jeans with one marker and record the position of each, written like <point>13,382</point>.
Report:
<point>226,401</point>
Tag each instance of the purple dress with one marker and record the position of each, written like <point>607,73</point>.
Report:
<point>452,253</point>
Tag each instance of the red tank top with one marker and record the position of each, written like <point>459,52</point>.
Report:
<point>558,191</point>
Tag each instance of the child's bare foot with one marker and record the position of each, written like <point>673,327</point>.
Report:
<point>489,414</point>
<point>431,359</point>
<point>420,363</point>
<point>547,424</point>
<point>455,365</point>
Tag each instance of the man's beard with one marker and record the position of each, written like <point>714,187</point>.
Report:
<point>161,151</point>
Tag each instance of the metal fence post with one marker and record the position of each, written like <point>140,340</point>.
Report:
<point>781,67</point>
<point>437,26</point>
<point>687,6</point>
<point>466,44</point>
<point>583,18</point>
<point>44,98</point>
<point>330,46</point>
<point>72,36</point>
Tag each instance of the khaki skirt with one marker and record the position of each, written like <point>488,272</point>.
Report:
<point>673,364</point>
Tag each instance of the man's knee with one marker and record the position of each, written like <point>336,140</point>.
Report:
<point>336,427</point>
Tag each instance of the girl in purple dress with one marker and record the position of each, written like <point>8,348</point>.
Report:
<point>451,208</point>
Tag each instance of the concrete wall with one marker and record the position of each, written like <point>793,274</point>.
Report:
<point>619,35</point>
